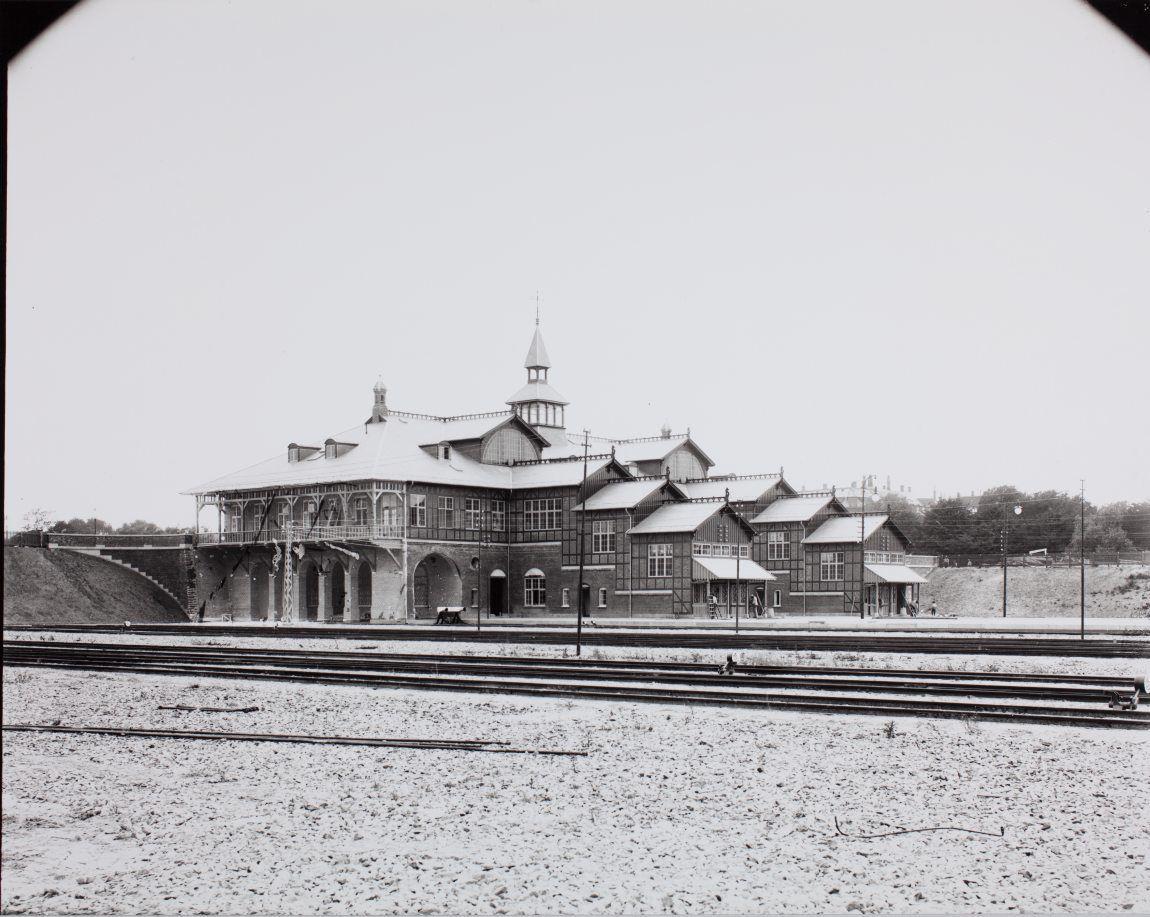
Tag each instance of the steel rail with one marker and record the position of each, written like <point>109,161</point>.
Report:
<point>658,694</point>
<point>499,748</point>
<point>997,646</point>
<point>846,679</point>
<point>1116,682</point>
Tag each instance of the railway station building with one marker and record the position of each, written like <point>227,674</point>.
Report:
<point>409,513</point>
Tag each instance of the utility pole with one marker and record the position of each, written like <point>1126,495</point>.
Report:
<point>738,558</point>
<point>1082,555</point>
<point>862,549</point>
<point>1005,519</point>
<point>479,576</point>
<point>582,551</point>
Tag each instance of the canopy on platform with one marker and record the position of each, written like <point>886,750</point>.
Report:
<point>725,568</point>
<point>892,573</point>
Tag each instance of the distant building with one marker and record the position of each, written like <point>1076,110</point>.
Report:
<point>408,513</point>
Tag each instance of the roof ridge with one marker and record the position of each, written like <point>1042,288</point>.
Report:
<point>519,463</point>
<point>450,417</point>
<point>734,477</point>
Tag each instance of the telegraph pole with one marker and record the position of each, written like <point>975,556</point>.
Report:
<point>1082,555</point>
<point>862,549</point>
<point>582,552</point>
<point>479,576</point>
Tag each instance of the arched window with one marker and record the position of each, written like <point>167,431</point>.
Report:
<point>535,589</point>
<point>508,445</point>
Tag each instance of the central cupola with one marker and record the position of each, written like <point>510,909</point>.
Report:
<point>537,402</point>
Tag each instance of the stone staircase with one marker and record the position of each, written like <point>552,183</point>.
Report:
<point>106,555</point>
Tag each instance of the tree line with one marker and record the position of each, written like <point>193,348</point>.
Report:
<point>39,520</point>
<point>1032,521</point>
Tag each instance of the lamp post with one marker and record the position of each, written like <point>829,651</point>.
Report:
<point>1082,556</point>
<point>1005,519</point>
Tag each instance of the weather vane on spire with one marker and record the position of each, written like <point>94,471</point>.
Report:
<point>538,303</point>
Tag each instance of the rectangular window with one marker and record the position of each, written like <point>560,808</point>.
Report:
<point>447,512</point>
<point>659,558</point>
<point>498,515</point>
<point>832,568</point>
<point>566,601</point>
<point>778,546</point>
<point>603,536</point>
<point>542,515</point>
<point>602,598</point>
<point>474,598</point>
<point>471,513</point>
<point>283,514</point>
<point>309,513</point>
<point>417,510</point>
<point>360,511</point>
<point>777,599</point>
<point>236,516</point>
<point>744,550</point>
<point>534,591</point>
<point>724,550</point>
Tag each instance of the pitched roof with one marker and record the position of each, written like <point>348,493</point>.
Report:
<point>625,494</point>
<point>537,353</point>
<point>656,448</point>
<point>844,529</point>
<point>676,517</point>
<point>476,426</point>
<point>557,474</point>
<point>743,490</point>
<point>793,509</point>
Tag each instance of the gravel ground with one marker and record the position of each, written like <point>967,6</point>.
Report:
<point>674,810</point>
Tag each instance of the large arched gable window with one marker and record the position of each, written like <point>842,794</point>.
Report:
<point>509,445</point>
<point>534,588</point>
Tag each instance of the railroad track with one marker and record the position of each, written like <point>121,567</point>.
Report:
<point>870,643</point>
<point>1072,700</point>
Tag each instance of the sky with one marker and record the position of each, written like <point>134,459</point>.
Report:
<point>902,238</point>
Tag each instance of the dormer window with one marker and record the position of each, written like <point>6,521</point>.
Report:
<point>329,449</point>
<point>445,451</point>
<point>293,453</point>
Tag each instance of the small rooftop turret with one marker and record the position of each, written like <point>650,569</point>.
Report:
<point>537,402</point>
<point>379,406</point>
